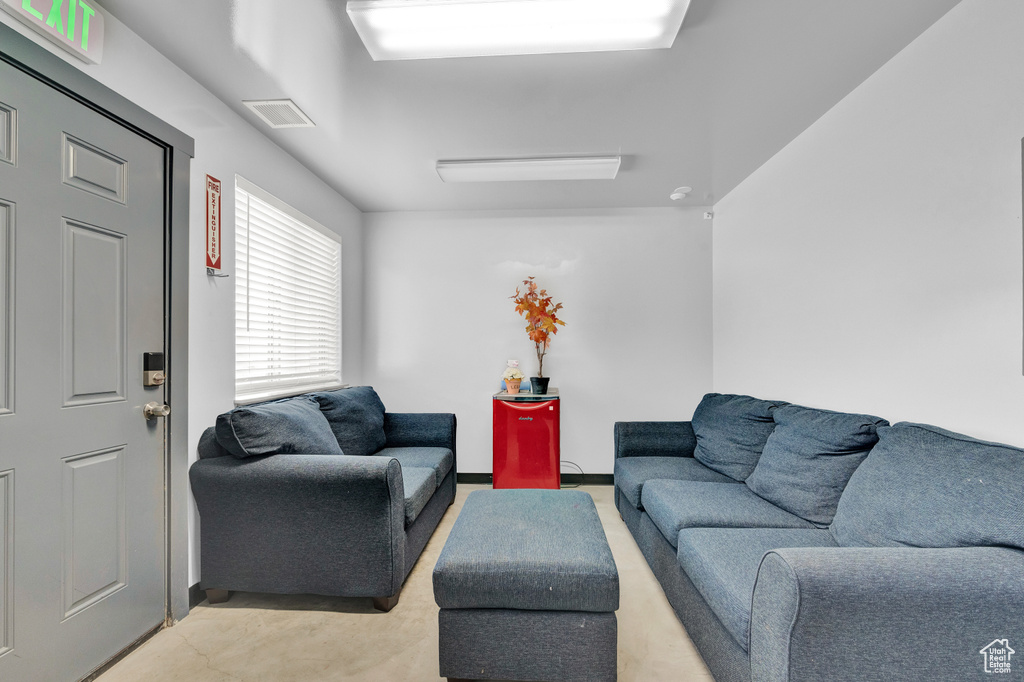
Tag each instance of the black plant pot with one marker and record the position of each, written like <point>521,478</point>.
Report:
<point>539,385</point>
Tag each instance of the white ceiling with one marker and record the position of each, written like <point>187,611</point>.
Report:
<point>743,79</point>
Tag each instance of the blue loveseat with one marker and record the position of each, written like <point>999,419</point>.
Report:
<point>325,493</point>
<point>802,544</point>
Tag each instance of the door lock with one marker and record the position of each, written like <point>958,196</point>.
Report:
<point>153,369</point>
<point>154,410</point>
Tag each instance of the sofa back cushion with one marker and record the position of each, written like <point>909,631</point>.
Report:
<point>356,416</point>
<point>292,426</point>
<point>923,486</point>
<point>809,458</point>
<point>731,431</point>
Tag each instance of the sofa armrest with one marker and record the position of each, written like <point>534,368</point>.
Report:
<point>654,439</point>
<point>265,522</point>
<point>209,447</point>
<point>424,429</point>
<point>883,613</point>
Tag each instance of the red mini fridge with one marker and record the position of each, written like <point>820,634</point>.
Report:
<point>526,440</point>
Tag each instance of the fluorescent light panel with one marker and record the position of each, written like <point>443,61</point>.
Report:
<point>427,29</point>
<point>513,170</point>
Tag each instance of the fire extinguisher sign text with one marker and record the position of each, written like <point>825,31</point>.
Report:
<point>212,222</point>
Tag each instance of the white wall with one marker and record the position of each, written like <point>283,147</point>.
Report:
<point>874,264</point>
<point>225,145</point>
<point>636,289</point>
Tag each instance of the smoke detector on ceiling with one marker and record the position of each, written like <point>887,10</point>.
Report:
<point>279,113</point>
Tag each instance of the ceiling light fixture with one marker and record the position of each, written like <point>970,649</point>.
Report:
<point>427,29</point>
<point>680,193</point>
<point>512,170</point>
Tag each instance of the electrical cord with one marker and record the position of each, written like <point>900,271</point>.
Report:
<point>578,467</point>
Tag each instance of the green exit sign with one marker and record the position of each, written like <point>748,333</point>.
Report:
<point>75,25</point>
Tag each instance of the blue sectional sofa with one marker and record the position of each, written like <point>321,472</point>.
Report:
<point>325,493</point>
<point>802,544</point>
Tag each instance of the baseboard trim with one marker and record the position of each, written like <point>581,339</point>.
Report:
<point>195,596</point>
<point>485,479</point>
<point>567,479</point>
<point>588,479</point>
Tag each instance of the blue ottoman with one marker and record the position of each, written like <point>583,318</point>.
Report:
<point>528,589</point>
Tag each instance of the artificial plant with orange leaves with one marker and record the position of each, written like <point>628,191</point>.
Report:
<point>541,315</point>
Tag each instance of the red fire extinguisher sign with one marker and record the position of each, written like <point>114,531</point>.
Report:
<point>212,222</point>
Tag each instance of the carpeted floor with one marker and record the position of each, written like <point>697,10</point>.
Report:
<point>278,638</point>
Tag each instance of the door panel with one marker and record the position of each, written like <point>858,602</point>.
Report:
<point>94,314</point>
<point>94,524</point>
<point>81,469</point>
<point>6,307</point>
<point>6,560</point>
<point>94,170</point>
<point>8,124</point>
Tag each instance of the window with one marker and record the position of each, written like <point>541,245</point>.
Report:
<point>287,299</point>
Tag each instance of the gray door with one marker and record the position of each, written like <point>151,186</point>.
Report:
<point>82,558</point>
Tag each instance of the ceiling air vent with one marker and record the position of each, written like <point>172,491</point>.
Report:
<point>279,113</point>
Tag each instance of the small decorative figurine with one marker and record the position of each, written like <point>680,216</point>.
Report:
<point>512,377</point>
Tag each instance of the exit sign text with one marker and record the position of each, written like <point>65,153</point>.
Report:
<point>75,25</point>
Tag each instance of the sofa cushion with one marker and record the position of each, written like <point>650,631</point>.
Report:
<point>419,484</point>
<point>810,457</point>
<point>356,416</point>
<point>722,564</point>
<point>295,425</point>
<point>438,459</point>
<point>674,505</point>
<point>923,486</point>
<point>731,431</point>
<point>631,472</point>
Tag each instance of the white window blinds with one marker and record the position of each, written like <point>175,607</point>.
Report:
<point>287,300</point>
